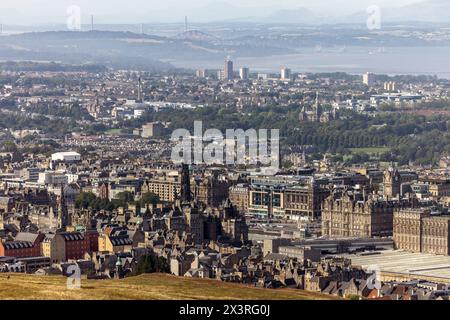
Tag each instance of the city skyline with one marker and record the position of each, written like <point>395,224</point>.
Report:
<point>224,150</point>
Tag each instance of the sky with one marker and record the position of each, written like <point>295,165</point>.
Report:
<point>29,12</point>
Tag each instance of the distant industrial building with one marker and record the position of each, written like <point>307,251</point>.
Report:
<point>69,156</point>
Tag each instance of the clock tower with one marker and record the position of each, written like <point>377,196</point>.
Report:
<point>391,183</point>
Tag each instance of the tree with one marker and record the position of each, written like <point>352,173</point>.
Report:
<point>9,146</point>
<point>151,263</point>
<point>123,198</point>
<point>85,200</point>
<point>148,198</point>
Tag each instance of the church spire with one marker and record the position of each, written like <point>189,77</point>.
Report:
<point>317,107</point>
<point>185,185</point>
<point>63,214</point>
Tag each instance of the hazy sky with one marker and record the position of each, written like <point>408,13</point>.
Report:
<point>27,12</point>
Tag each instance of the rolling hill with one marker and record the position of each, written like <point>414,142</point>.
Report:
<point>144,287</point>
<point>124,50</point>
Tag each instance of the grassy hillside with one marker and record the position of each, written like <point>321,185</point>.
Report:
<point>146,287</point>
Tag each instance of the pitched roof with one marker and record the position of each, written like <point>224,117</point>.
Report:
<point>27,236</point>
<point>72,236</point>
<point>276,257</point>
<point>18,245</point>
<point>121,241</point>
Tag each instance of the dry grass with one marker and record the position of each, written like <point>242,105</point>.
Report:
<point>145,287</point>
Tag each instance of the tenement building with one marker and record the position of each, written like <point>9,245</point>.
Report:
<point>438,188</point>
<point>408,229</point>
<point>355,214</point>
<point>166,186</point>
<point>394,181</point>
<point>209,190</point>
<point>304,200</point>
<point>417,230</point>
<point>238,195</point>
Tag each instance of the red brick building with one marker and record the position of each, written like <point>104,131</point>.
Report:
<point>92,235</point>
<point>25,245</point>
<point>73,245</point>
<point>70,246</point>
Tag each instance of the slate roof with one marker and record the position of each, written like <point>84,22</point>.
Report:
<point>72,236</point>
<point>18,245</point>
<point>121,241</point>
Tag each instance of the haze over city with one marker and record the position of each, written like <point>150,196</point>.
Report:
<point>26,12</point>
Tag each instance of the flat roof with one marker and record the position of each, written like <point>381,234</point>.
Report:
<point>398,261</point>
<point>67,153</point>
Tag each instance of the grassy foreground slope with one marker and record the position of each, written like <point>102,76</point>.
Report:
<point>145,287</point>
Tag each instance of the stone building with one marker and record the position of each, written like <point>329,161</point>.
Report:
<point>194,221</point>
<point>233,225</point>
<point>317,114</point>
<point>209,190</point>
<point>238,195</point>
<point>352,214</point>
<point>393,180</point>
<point>436,235</point>
<point>185,215</point>
<point>167,187</point>
<point>416,230</point>
<point>438,188</point>
<point>407,229</point>
<point>115,239</point>
<point>391,183</point>
<point>304,200</point>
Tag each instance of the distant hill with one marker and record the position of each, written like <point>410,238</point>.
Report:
<point>195,35</point>
<point>431,10</point>
<point>111,49</point>
<point>49,66</point>
<point>144,287</point>
<point>428,11</point>
<point>125,50</point>
<point>84,35</point>
<point>298,16</point>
